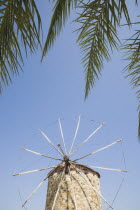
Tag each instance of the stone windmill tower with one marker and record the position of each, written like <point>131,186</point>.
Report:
<point>72,185</point>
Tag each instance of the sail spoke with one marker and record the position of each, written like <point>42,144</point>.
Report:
<point>75,135</point>
<point>46,137</point>
<point>86,140</point>
<point>36,153</point>
<point>28,172</point>
<point>109,169</point>
<point>98,167</point>
<point>99,150</point>
<point>63,140</point>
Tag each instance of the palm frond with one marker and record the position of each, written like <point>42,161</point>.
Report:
<point>133,55</point>
<point>98,32</point>
<point>139,125</point>
<point>136,1</point>
<point>133,68</point>
<point>61,12</point>
<point>17,25</point>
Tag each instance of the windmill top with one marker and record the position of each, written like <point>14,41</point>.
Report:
<point>67,165</point>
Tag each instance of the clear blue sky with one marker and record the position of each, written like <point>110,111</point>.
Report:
<point>53,89</point>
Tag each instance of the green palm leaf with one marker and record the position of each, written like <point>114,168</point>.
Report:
<point>98,33</point>
<point>61,12</point>
<point>139,125</point>
<point>133,55</point>
<point>133,68</point>
<point>99,20</point>
<point>17,25</point>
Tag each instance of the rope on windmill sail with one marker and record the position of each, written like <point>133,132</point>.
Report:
<point>120,185</point>
<point>34,191</point>
<point>21,198</point>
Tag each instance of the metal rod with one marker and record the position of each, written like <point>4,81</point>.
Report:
<point>86,140</point>
<point>50,142</point>
<point>27,172</point>
<point>58,190</point>
<point>99,150</point>
<point>63,140</point>
<point>36,153</point>
<point>73,190</point>
<point>76,131</point>
<point>93,187</point>
<point>34,191</point>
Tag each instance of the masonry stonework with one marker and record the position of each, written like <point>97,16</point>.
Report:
<point>74,189</point>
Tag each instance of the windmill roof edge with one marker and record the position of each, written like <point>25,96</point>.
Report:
<point>73,167</point>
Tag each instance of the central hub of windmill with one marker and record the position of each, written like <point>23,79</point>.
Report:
<point>67,163</point>
<point>66,159</point>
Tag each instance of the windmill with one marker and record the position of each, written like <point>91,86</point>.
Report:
<point>72,185</point>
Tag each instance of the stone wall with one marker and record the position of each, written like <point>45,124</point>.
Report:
<point>74,188</point>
